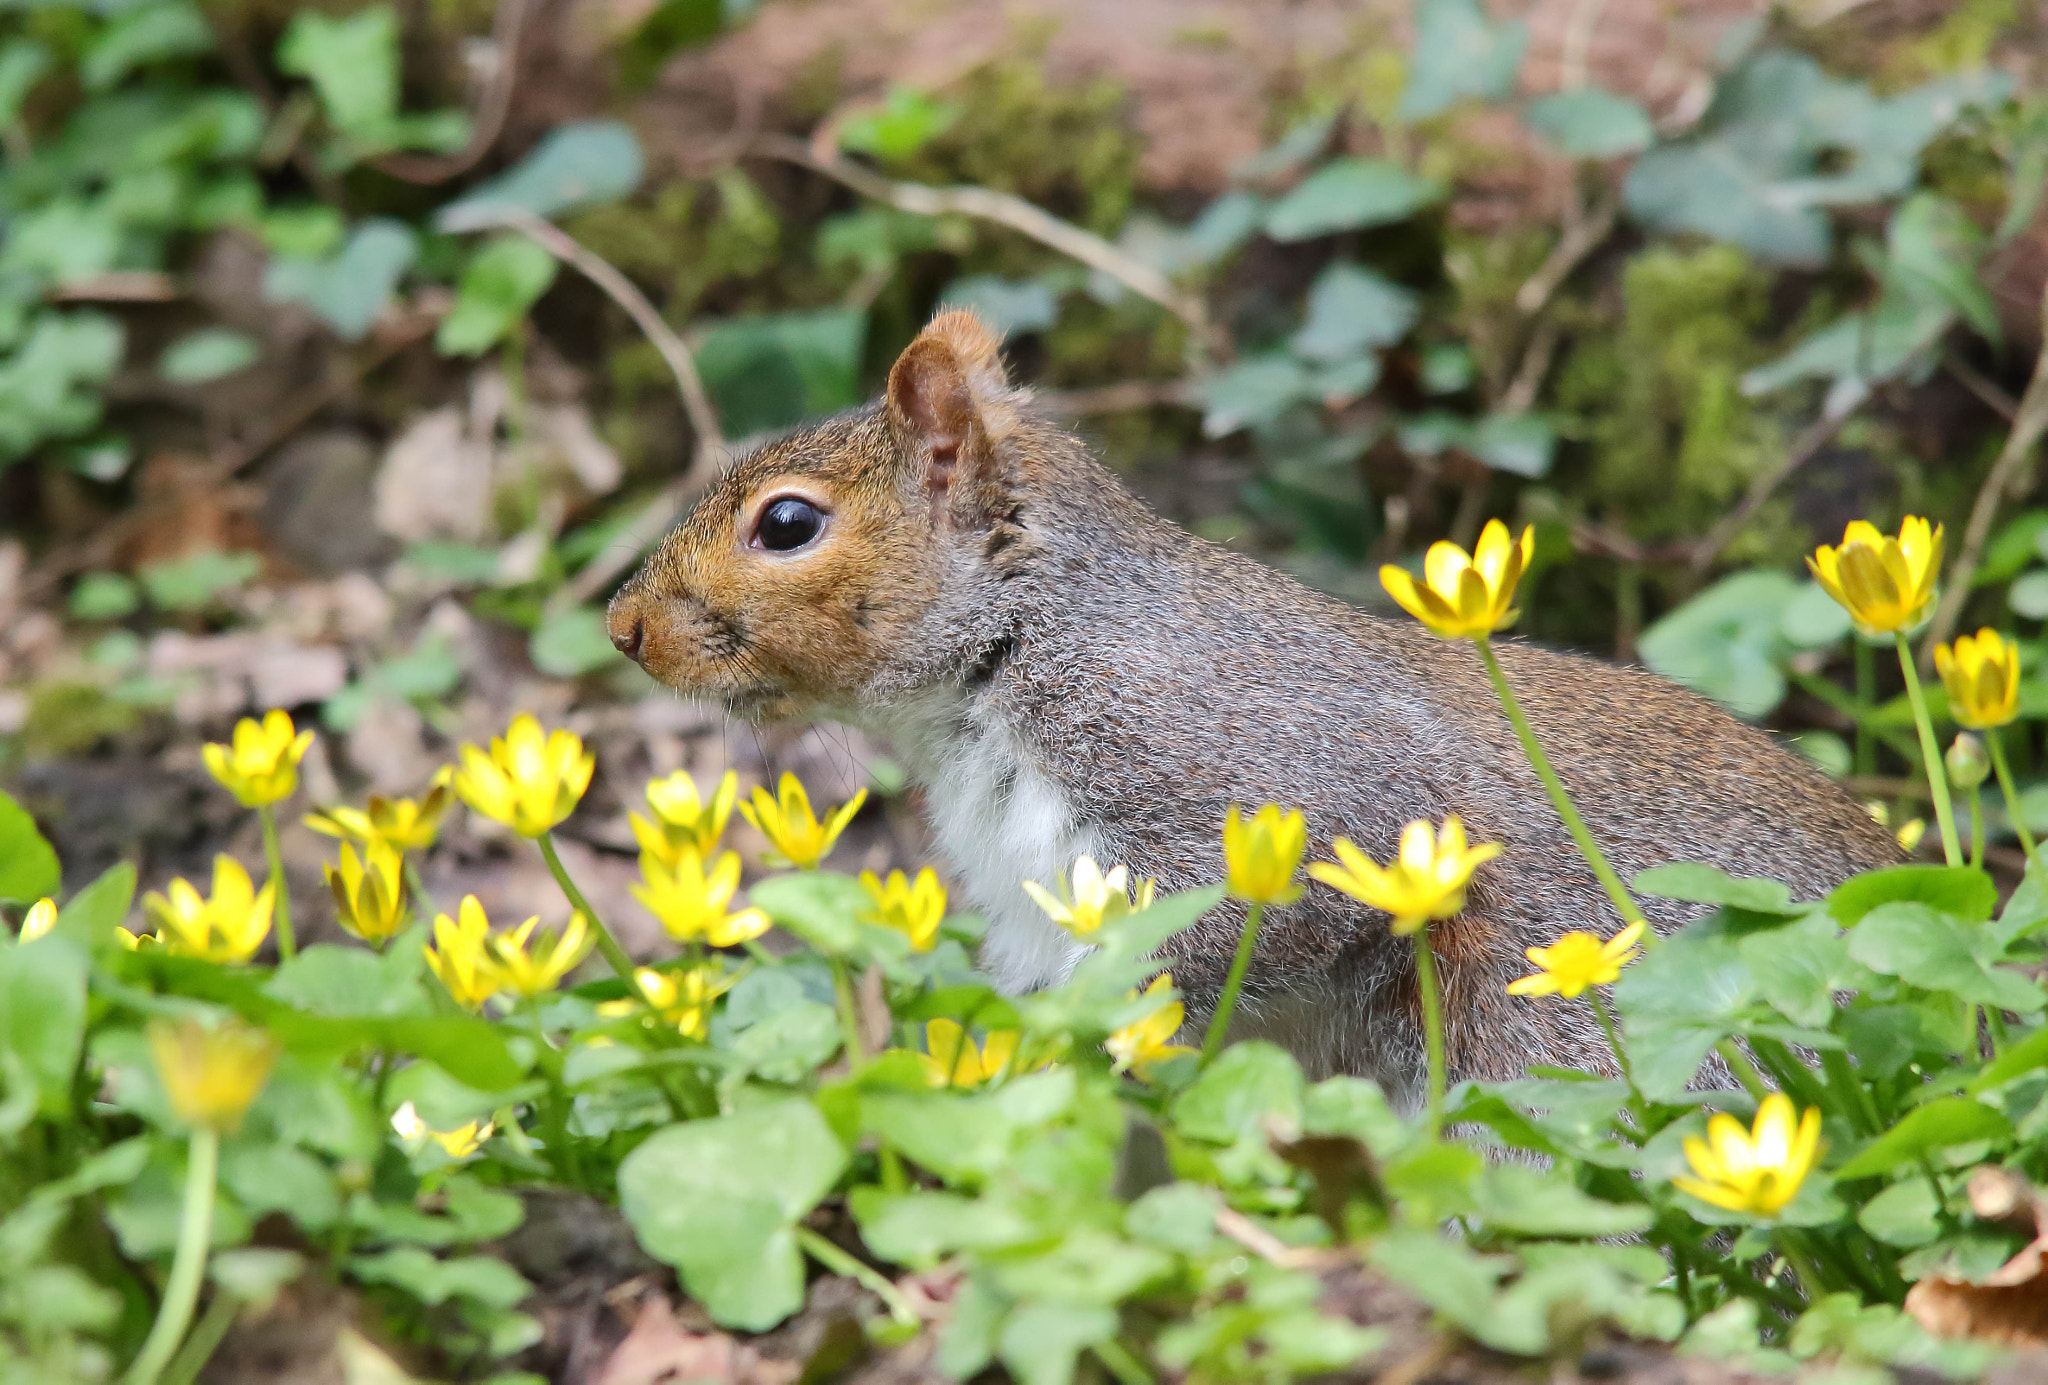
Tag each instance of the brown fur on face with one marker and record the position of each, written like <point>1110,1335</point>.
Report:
<point>769,634</point>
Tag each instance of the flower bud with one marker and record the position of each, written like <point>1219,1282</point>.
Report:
<point>1966,761</point>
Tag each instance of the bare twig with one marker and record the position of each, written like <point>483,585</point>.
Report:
<point>2006,477</point>
<point>1579,240</point>
<point>1818,435</point>
<point>492,108</point>
<point>1005,209</point>
<point>661,512</point>
<point>1263,1243</point>
<point>1122,397</point>
<point>1987,391</point>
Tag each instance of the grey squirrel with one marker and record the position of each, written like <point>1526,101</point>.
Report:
<point>1066,673</point>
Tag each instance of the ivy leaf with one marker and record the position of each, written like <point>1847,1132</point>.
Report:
<point>907,120</point>
<point>578,164</point>
<point>1350,310</point>
<point>1346,194</point>
<point>143,35</point>
<point>1590,123</point>
<point>350,290</point>
<point>208,354</point>
<point>571,642</point>
<point>719,1199</point>
<point>1008,305</point>
<point>28,864</point>
<point>500,282</point>
<point>1459,53</point>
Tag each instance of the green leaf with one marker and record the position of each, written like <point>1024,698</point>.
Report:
<point>907,120</point>
<point>328,979</point>
<point>350,290</point>
<point>143,35</point>
<point>91,915</point>
<point>50,386</point>
<point>1041,1341</point>
<point>104,596</point>
<point>1699,883</point>
<point>23,63</point>
<point>195,581</point>
<point>352,62</point>
<point>1459,53</point>
<point>967,1138</point>
<point>208,354</point>
<point>1726,642</point>
<point>821,907</point>
<point>773,370</point>
<point>1590,123</point>
<point>28,863</point>
<point>1904,1215</point>
<point>498,285</point>
<point>1949,1120</point>
<point>1008,305</point>
<point>42,1014</point>
<point>477,1278</point>
<point>1234,1097</point>
<point>1959,890</point>
<point>270,1177</point>
<point>1801,967</point>
<point>719,1200</point>
<point>578,164</point>
<point>571,642</point>
<point>1253,392</point>
<point>1519,444</point>
<point>1939,952</point>
<point>1352,310</point>
<point>1678,1001</point>
<point>917,1228</point>
<point>1346,194</point>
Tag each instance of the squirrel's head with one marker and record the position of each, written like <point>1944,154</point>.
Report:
<point>805,572</point>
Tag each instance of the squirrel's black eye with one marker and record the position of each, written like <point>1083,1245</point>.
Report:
<point>788,523</point>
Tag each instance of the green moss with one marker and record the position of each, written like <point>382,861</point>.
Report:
<point>67,718</point>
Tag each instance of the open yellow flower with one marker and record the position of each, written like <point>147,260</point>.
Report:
<point>261,764</point>
<point>952,1060</point>
<point>1577,961</point>
<point>228,927</point>
<point>1143,1044</point>
<point>911,907</point>
<point>460,955</point>
<point>40,919</point>
<point>403,824</point>
<point>1886,584</point>
<point>460,1143</point>
<point>1263,852</point>
<point>1464,595</point>
<point>212,1074</point>
<point>531,964</point>
<point>684,821</point>
<point>792,828</point>
<point>1426,881</point>
<point>680,998</point>
<point>528,780</point>
<point>1982,678</point>
<point>691,901</point>
<point>1090,898</point>
<point>1758,1170</point>
<point>368,890</point>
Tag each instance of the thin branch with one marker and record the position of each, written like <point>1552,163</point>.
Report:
<point>1263,1243</point>
<point>1123,397</point>
<point>2007,473</point>
<point>1987,391</point>
<point>1005,209</point>
<point>1818,435</point>
<point>660,513</point>
<point>1579,240</point>
<point>491,111</point>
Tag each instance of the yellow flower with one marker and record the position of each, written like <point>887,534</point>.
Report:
<point>528,781</point>
<point>530,965</point>
<point>1092,899</point>
<point>691,901</point>
<point>461,958</point>
<point>459,1143</point>
<point>1263,852</point>
<point>211,1074</point>
<point>40,919</point>
<point>1463,595</point>
<point>682,999</point>
<point>1579,960</point>
<point>682,820</point>
<point>952,1060</point>
<point>1757,1170</point>
<point>1426,881</point>
<point>1907,834</point>
<point>1982,677</point>
<point>404,824</point>
<point>1143,1044</point>
<point>790,825</point>
<point>229,927</point>
<point>369,891</point>
<point>261,767</point>
<point>912,908</point>
<point>1885,583</point>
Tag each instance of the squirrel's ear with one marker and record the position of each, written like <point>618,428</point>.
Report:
<point>948,394</point>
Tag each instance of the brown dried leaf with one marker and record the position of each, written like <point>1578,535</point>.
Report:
<point>658,1351</point>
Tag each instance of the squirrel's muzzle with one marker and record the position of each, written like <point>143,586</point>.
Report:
<point>627,629</point>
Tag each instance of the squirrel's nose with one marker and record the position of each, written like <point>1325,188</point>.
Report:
<point>628,632</point>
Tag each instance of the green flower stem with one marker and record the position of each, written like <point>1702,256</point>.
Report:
<point>1116,1358</point>
<point>1799,1255</point>
<point>1432,1024</point>
<point>287,943</point>
<point>188,1261</point>
<point>1613,1033</point>
<point>759,953</point>
<point>204,1341</point>
<point>849,1016</point>
<point>1977,826</point>
<point>2006,786</point>
<point>423,906</point>
<point>606,943</point>
<point>1745,1071</point>
<point>1559,799</point>
<point>867,1276</point>
<point>1937,774</point>
<point>1219,1023</point>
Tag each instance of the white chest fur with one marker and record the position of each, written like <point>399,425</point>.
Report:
<point>1000,820</point>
